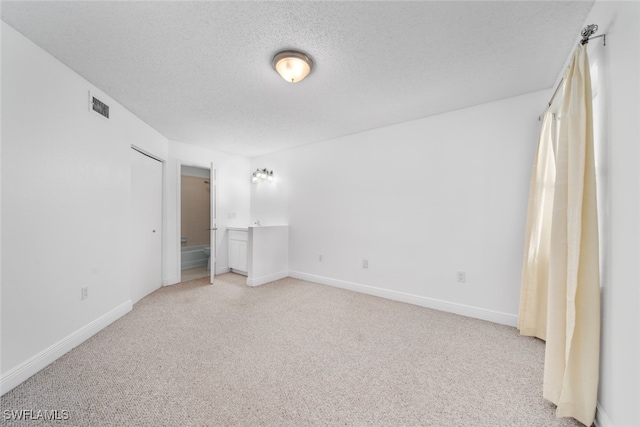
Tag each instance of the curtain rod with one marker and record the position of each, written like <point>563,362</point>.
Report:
<point>586,33</point>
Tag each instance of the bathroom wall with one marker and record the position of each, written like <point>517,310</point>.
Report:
<point>195,210</point>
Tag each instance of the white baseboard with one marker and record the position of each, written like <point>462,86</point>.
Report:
<point>602,420</point>
<point>26,369</point>
<point>257,281</point>
<point>450,307</point>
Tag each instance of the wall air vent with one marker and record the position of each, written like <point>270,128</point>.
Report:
<point>98,106</point>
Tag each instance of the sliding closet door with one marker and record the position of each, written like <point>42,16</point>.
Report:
<point>146,225</point>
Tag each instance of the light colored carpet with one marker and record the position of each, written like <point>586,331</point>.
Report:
<point>292,353</point>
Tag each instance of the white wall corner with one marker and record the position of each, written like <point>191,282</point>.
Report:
<point>436,304</point>
<point>602,420</point>
<point>26,369</point>
<point>222,270</point>
<point>174,280</point>
<point>257,281</point>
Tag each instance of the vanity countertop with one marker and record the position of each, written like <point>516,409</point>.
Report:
<point>238,228</point>
<point>234,228</point>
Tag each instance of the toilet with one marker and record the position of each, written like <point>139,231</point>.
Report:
<point>207,252</point>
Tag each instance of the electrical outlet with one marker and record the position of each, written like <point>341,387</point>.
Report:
<point>365,263</point>
<point>461,277</point>
<point>84,292</point>
<point>320,257</point>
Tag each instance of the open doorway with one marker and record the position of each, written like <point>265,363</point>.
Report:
<point>195,216</point>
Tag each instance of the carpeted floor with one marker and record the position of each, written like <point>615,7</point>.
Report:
<point>291,353</point>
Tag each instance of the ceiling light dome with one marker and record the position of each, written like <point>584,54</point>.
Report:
<point>292,65</point>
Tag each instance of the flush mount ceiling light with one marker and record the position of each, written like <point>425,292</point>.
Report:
<point>292,65</point>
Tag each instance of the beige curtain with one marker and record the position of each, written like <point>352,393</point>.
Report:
<point>532,320</point>
<point>560,300</point>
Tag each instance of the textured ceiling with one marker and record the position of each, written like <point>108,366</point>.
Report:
<point>200,72</point>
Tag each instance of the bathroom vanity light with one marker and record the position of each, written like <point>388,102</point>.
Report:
<point>292,65</point>
<point>261,175</point>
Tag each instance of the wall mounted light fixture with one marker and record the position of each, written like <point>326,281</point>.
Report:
<point>262,175</point>
<point>292,65</point>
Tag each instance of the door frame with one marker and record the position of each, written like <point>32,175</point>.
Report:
<point>212,219</point>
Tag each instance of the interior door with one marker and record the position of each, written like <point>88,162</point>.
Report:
<point>213,224</point>
<point>146,225</point>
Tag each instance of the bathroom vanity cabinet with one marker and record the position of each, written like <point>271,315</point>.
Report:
<point>259,252</point>
<point>238,240</point>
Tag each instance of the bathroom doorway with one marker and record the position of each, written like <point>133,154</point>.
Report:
<point>197,254</point>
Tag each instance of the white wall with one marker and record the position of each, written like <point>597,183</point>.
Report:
<point>233,180</point>
<point>65,207</point>
<point>420,201</point>
<point>453,197</point>
<point>619,70</point>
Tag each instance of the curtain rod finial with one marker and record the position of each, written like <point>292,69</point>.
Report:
<point>587,32</point>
